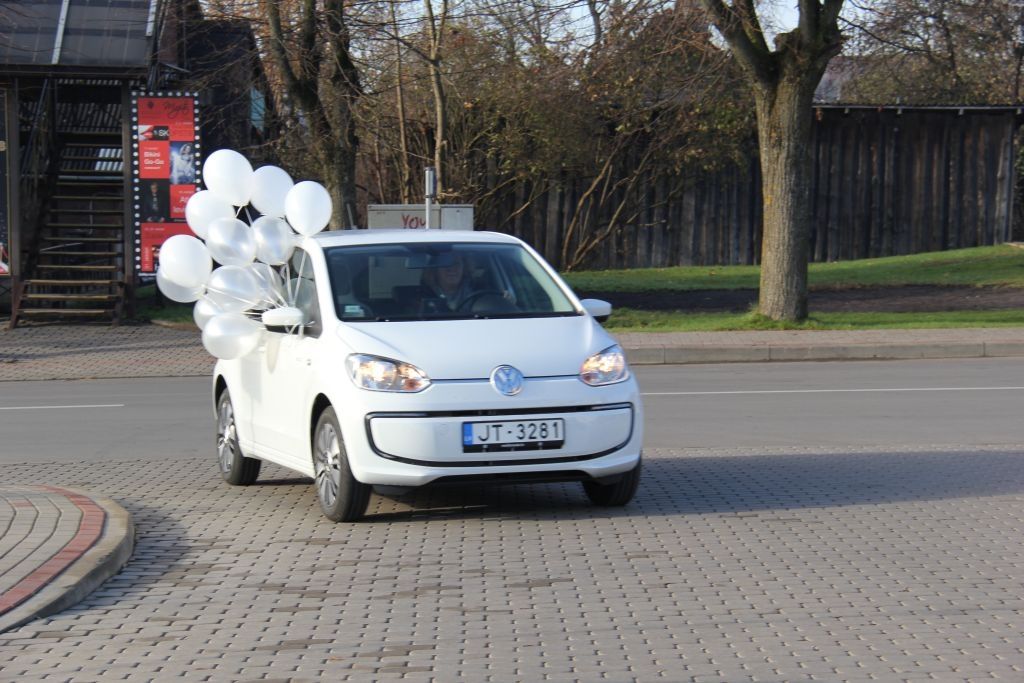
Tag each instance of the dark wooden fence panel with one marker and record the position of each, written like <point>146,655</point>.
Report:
<point>899,181</point>
<point>887,181</point>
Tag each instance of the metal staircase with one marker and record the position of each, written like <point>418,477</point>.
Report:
<point>75,268</point>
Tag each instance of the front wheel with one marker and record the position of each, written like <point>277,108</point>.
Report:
<point>616,494</point>
<point>235,468</point>
<point>342,497</point>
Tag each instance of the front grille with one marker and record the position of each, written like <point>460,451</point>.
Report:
<point>512,478</point>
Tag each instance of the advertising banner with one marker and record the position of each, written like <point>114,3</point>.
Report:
<point>166,167</point>
<point>414,216</point>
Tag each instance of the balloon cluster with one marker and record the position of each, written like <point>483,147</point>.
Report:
<point>231,269</point>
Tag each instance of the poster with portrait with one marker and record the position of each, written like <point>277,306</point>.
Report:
<point>165,170</point>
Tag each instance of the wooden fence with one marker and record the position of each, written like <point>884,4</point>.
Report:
<point>887,181</point>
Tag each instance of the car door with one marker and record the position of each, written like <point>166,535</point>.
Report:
<point>287,373</point>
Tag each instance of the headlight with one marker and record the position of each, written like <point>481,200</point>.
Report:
<point>607,367</point>
<point>383,374</point>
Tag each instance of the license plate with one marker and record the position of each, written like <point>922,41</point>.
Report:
<point>512,435</point>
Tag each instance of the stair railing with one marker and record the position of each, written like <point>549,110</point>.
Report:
<point>38,172</point>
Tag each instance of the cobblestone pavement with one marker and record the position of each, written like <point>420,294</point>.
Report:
<point>819,565</point>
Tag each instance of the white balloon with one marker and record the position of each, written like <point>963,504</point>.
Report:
<point>231,335</point>
<point>228,175</point>
<point>203,208</point>
<point>271,283</point>
<point>274,240</point>
<point>185,261</point>
<point>270,186</point>
<point>308,207</point>
<point>175,292</point>
<point>204,310</point>
<point>231,242</point>
<point>234,288</point>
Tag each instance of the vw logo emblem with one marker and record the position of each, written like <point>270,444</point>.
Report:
<point>507,380</point>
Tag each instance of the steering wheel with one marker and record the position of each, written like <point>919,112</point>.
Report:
<point>467,303</point>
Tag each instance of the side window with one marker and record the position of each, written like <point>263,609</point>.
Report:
<point>351,284</point>
<point>301,291</point>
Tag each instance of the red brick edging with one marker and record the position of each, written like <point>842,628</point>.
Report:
<point>90,527</point>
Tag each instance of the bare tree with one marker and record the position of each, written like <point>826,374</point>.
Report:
<point>937,52</point>
<point>436,25</point>
<point>783,81</point>
<point>522,108</point>
<point>310,47</point>
<point>405,170</point>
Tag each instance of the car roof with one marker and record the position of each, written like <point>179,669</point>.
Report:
<point>335,238</point>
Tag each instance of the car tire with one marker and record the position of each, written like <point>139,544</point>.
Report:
<point>616,494</point>
<point>235,468</point>
<point>342,497</point>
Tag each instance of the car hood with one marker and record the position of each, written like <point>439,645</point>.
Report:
<point>471,349</point>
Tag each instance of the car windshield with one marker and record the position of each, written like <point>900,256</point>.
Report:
<point>431,281</point>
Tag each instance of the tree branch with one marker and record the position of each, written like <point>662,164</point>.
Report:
<point>277,45</point>
<point>748,46</point>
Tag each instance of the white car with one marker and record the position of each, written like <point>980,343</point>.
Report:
<point>386,380</point>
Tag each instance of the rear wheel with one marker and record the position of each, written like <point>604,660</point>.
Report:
<point>342,497</point>
<point>616,494</point>
<point>235,468</point>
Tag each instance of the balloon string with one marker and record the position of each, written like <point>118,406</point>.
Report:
<point>269,287</point>
<point>293,294</point>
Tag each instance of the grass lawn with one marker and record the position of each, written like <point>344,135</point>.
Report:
<point>982,266</point>
<point>999,266</point>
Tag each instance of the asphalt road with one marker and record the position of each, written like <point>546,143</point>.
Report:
<point>811,559</point>
<point>864,403</point>
<point>972,401</point>
<point>105,419</point>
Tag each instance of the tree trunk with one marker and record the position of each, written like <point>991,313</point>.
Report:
<point>335,157</point>
<point>341,174</point>
<point>783,83</point>
<point>405,171</point>
<point>437,27</point>
<point>332,132</point>
<point>440,124</point>
<point>784,132</point>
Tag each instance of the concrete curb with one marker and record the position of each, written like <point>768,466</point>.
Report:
<point>648,354</point>
<point>102,560</point>
<point>763,354</point>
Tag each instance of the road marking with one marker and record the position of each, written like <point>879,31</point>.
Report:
<point>825,391</point>
<point>86,405</point>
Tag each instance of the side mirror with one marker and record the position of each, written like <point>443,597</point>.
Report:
<point>601,310</point>
<point>287,317</point>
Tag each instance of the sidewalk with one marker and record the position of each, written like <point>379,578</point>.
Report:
<point>44,352</point>
<point>821,345</point>
<point>57,544</point>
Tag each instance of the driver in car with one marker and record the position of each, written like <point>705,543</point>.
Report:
<point>450,283</point>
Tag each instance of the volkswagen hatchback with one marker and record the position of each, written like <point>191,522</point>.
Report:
<point>429,357</point>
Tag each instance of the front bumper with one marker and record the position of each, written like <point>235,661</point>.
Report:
<point>408,448</point>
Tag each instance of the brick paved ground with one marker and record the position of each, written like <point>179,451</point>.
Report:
<point>840,565</point>
<point>44,352</point>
